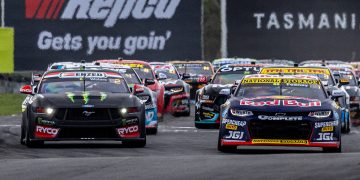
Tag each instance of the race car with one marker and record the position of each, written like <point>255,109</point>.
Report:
<point>177,92</point>
<point>149,78</point>
<point>209,98</point>
<point>280,110</point>
<point>147,96</point>
<point>217,63</point>
<point>200,73</point>
<point>82,105</point>
<point>327,80</point>
<point>352,88</point>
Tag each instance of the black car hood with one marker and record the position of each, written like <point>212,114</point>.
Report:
<point>86,99</point>
<point>282,104</point>
<point>214,89</point>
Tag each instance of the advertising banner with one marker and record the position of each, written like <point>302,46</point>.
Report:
<point>72,30</point>
<point>293,29</point>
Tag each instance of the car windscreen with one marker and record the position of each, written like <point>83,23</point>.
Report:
<point>143,70</point>
<point>167,73</point>
<point>130,76</point>
<point>60,85</point>
<point>229,75</point>
<point>194,68</point>
<point>349,76</point>
<point>254,87</point>
<point>323,74</point>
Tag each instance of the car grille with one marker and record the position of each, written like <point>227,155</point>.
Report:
<point>89,114</point>
<point>280,130</point>
<point>77,133</point>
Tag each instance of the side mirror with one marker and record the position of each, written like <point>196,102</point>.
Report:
<point>149,82</point>
<point>138,89</point>
<point>185,76</point>
<point>337,94</point>
<point>233,89</point>
<point>344,81</point>
<point>26,89</point>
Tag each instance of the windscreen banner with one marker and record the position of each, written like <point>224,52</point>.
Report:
<point>72,30</point>
<point>293,29</point>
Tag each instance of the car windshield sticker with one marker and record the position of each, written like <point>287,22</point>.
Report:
<point>295,71</point>
<point>102,96</point>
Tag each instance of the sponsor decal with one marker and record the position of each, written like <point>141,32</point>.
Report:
<point>280,118</point>
<point>70,95</point>
<point>279,141</point>
<point>208,114</point>
<point>300,81</point>
<point>301,104</point>
<point>325,137</point>
<point>261,81</point>
<point>274,102</point>
<point>86,97</point>
<point>327,129</point>
<point>234,122</point>
<point>82,74</point>
<point>42,121</point>
<point>235,135</point>
<point>227,69</point>
<point>325,124</point>
<point>295,71</point>
<point>149,106</point>
<point>46,132</point>
<point>231,126</point>
<point>129,132</point>
<point>336,115</point>
<point>207,108</point>
<point>103,96</point>
<point>149,115</point>
<point>126,122</point>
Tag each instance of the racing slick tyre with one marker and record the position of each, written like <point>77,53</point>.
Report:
<point>22,133</point>
<point>152,131</point>
<point>135,143</point>
<point>332,149</point>
<point>226,149</point>
<point>28,142</point>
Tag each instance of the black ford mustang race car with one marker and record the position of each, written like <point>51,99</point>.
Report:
<point>209,98</point>
<point>82,105</point>
<point>275,110</point>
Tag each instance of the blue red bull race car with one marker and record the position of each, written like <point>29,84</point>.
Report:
<point>281,110</point>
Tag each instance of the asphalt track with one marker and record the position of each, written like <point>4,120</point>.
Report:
<point>179,151</point>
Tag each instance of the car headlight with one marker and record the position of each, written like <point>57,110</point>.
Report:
<point>123,111</point>
<point>176,90</point>
<point>49,111</point>
<point>320,114</point>
<point>240,113</point>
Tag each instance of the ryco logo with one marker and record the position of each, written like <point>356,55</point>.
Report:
<point>108,10</point>
<point>47,130</point>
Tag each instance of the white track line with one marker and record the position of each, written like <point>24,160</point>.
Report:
<point>14,125</point>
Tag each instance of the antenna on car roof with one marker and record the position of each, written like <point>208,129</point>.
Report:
<point>296,65</point>
<point>97,63</point>
<point>82,61</point>
<point>253,63</point>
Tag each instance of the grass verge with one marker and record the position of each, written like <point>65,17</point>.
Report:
<point>10,104</point>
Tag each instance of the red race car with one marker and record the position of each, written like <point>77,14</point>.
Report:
<point>143,69</point>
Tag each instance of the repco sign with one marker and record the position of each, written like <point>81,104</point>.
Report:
<point>109,11</point>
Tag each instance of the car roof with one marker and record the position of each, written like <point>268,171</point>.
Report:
<point>115,61</point>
